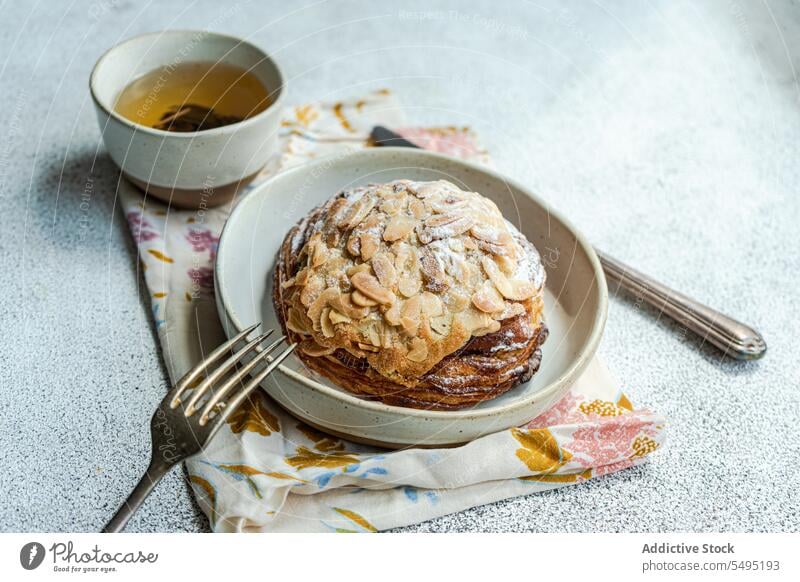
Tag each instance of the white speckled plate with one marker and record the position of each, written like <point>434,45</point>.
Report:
<point>575,299</point>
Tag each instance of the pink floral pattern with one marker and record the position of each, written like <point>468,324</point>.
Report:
<point>609,440</point>
<point>599,434</point>
<point>203,240</point>
<point>141,229</point>
<point>565,411</point>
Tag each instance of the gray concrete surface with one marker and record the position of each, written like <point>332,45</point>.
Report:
<point>668,132</point>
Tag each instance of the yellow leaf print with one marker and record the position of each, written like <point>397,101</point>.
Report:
<point>209,491</point>
<point>337,110</point>
<point>248,471</point>
<point>540,451</point>
<point>623,402</point>
<point>322,442</point>
<point>160,256</point>
<point>159,295</point>
<point>572,478</point>
<point>356,518</point>
<point>253,416</point>
<point>306,458</point>
<point>305,115</point>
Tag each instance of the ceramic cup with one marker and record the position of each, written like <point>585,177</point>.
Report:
<point>194,169</point>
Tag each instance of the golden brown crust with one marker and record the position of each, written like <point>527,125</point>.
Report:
<point>413,293</point>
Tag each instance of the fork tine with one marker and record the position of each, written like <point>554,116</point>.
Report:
<point>237,400</point>
<point>245,392</point>
<point>192,374</point>
<point>211,379</point>
<point>236,378</point>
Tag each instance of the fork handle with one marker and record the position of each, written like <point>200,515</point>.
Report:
<point>733,337</point>
<point>154,473</point>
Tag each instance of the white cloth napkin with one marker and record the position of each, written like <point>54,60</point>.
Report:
<point>266,471</point>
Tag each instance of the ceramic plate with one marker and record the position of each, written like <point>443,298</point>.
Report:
<point>575,297</point>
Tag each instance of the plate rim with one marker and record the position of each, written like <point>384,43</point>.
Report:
<point>229,317</point>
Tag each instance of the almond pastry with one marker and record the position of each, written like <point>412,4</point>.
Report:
<point>416,294</point>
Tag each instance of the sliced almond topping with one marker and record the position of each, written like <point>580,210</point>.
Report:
<point>432,273</point>
<point>402,253</point>
<point>456,300</point>
<point>369,286</point>
<point>436,231</point>
<point>374,335</point>
<point>431,304</point>
<point>302,277</point>
<point>387,337</point>
<point>343,303</point>
<point>443,219</point>
<point>325,323</point>
<point>362,300</point>
<point>332,238</point>
<point>441,324</point>
<point>312,290</point>
<point>319,305</point>
<point>488,300</point>
<point>448,203</point>
<point>418,351</point>
<point>455,244</point>
<point>397,228</point>
<point>515,290</point>
<point>417,208</point>
<point>522,290</point>
<point>477,322</point>
<point>289,283</point>
<point>370,243</point>
<point>295,322</point>
<point>384,270</point>
<point>357,212</point>
<point>392,315</point>
<point>497,277</point>
<point>510,310</point>
<point>459,269</point>
<point>319,252</point>
<point>314,350</point>
<point>432,188</point>
<point>359,268</point>
<point>507,264</point>
<point>490,233</point>
<point>409,285</point>
<point>337,317</point>
<point>500,250</point>
<point>392,207</point>
<point>354,244</point>
<point>410,315</point>
<point>368,347</point>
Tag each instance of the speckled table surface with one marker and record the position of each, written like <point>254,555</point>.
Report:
<point>668,133</point>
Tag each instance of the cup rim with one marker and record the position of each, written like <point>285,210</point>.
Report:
<point>186,134</point>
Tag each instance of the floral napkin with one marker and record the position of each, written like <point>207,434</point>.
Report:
<point>267,471</point>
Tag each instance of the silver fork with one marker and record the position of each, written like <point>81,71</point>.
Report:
<point>177,432</point>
